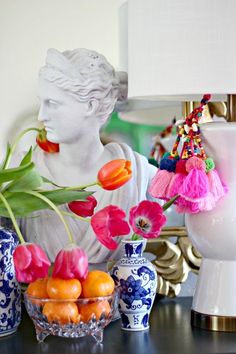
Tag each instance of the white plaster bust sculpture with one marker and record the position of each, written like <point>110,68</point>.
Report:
<point>78,90</point>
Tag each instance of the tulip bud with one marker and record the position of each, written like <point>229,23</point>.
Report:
<point>83,208</point>
<point>71,262</point>
<point>114,174</point>
<point>45,144</point>
<point>31,262</point>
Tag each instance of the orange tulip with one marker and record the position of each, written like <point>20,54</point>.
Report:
<point>114,174</point>
<point>45,144</point>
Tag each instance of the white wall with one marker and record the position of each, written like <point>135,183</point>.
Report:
<point>28,28</point>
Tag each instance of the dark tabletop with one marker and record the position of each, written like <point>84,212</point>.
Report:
<point>170,332</point>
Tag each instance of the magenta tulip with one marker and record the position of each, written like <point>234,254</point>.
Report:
<point>147,219</point>
<point>31,262</point>
<point>83,208</point>
<point>71,262</point>
<point>108,223</point>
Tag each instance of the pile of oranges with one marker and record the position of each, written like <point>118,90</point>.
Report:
<point>96,284</point>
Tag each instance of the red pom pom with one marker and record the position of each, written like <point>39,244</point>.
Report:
<point>181,167</point>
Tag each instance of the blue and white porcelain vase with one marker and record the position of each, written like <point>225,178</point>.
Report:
<point>10,292</point>
<point>137,279</point>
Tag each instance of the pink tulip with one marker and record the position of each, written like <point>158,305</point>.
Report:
<point>147,219</point>
<point>108,223</point>
<point>31,262</point>
<point>71,262</point>
<point>83,208</point>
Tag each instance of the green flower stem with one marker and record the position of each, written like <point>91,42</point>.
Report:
<point>82,187</point>
<point>13,219</point>
<point>75,216</point>
<point>17,141</point>
<point>135,237</point>
<point>35,147</point>
<point>55,208</point>
<point>170,202</point>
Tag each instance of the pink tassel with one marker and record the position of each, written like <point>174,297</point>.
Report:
<point>207,203</point>
<point>175,185</point>
<point>195,186</point>
<point>160,183</point>
<point>217,188</point>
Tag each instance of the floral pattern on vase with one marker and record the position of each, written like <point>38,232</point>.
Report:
<point>137,280</point>
<point>10,291</point>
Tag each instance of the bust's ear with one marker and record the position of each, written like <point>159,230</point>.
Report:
<point>92,107</point>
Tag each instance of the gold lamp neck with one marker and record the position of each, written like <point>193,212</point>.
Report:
<point>231,108</point>
<point>218,108</point>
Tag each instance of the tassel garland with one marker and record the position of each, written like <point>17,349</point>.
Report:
<point>191,175</point>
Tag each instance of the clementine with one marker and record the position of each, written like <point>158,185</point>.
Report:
<point>61,312</point>
<point>97,283</point>
<point>94,309</point>
<point>38,288</point>
<point>58,288</point>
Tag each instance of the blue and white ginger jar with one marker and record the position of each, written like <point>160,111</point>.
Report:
<point>10,292</point>
<point>137,279</point>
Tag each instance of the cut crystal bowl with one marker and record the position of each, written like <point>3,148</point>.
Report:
<point>97,316</point>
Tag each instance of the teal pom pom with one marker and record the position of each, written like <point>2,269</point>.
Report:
<point>166,155</point>
<point>210,165</point>
<point>153,162</point>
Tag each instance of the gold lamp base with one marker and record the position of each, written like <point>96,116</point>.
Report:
<point>213,323</point>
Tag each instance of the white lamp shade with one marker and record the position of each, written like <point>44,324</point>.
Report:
<point>151,112</point>
<point>181,47</point>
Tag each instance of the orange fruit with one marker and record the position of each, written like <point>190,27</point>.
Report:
<point>58,288</point>
<point>92,309</point>
<point>61,312</point>
<point>97,283</point>
<point>38,288</point>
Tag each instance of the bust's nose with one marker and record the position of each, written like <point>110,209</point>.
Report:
<point>43,113</point>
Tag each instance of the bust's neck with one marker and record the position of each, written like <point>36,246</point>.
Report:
<point>84,153</point>
<point>78,161</point>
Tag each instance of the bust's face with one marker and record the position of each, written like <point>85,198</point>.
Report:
<point>63,116</point>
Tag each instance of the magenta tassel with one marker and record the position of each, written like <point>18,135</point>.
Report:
<point>185,206</point>
<point>160,183</point>
<point>182,205</point>
<point>195,186</point>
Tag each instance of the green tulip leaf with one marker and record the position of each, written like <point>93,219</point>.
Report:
<point>30,181</point>
<point>12,174</point>
<point>27,158</point>
<point>62,196</point>
<point>23,204</point>
<point>46,180</point>
<point>8,152</point>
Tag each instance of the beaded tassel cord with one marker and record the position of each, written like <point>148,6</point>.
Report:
<point>191,175</point>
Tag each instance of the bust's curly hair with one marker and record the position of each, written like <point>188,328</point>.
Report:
<point>85,74</point>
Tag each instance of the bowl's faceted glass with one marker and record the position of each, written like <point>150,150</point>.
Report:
<point>93,327</point>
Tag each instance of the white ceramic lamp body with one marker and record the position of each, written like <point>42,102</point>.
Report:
<point>213,233</point>
<point>182,48</point>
